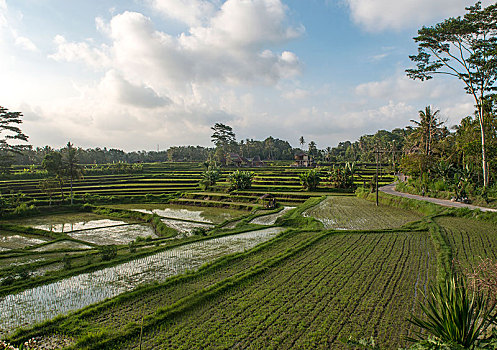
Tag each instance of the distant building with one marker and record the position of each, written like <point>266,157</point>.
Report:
<point>235,159</point>
<point>303,160</point>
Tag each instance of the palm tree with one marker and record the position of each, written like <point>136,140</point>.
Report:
<point>302,141</point>
<point>427,129</point>
<point>72,168</point>
<point>328,153</point>
<point>312,149</point>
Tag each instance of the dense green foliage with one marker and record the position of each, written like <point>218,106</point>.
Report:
<point>210,177</point>
<point>310,179</point>
<point>466,48</point>
<point>455,315</point>
<point>240,180</point>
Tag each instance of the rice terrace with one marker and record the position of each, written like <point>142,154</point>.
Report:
<point>192,268</point>
<point>255,242</point>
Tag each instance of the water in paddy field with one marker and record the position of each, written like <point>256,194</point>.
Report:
<point>180,214</point>
<point>62,245</point>
<point>271,218</point>
<point>47,301</point>
<point>15,241</point>
<point>114,235</point>
<point>185,226</point>
<point>80,225</point>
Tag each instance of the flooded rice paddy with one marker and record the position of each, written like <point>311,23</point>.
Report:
<point>185,226</point>
<point>81,225</point>
<point>47,301</point>
<point>90,228</point>
<point>201,214</point>
<point>65,244</point>
<point>271,218</point>
<point>67,222</point>
<point>15,241</point>
<point>114,235</point>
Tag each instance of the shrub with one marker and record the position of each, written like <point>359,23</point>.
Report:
<point>342,177</point>
<point>456,315</point>
<point>199,231</point>
<point>108,252</point>
<point>66,262</point>
<point>132,247</point>
<point>210,177</point>
<point>23,209</point>
<point>240,180</point>
<point>310,179</point>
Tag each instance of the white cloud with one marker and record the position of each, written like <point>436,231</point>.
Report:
<point>73,52</point>
<point>233,48</point>
<point>191,12</point>
<point>122,91</point>
<point>25,43</point>
<point>377,15</point>
<point>296,94</point>
<point>400,87</point>
<point>8,32</point>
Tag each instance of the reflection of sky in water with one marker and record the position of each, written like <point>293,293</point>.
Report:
<point>62,245</point>
<point>184,226</point>
<point>45,302</point>
<point>182,214</point>
<point>17,241</point>
<point>271,218</point>
<point>114,235</point>
<point>80,225</point>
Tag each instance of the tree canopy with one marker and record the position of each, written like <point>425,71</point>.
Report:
<point>465,48</point>
<point>222,135</point>
<point>10,130</point>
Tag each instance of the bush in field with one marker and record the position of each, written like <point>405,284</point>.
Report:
<point>199,231</point>
<point>108,252</point>
<point>310,179</point>
<point>132,247</point>
<point>23,209</point>
<point>210,177</point>
<point>455,316</point>
<point>483,278</point>
<point>66,261</point>
<point>342,176</point>
<point>240,180</point>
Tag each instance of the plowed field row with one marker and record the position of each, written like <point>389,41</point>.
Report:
<point>350,213</point>
<point>469,239</point>
<point>355,284</point>
<point>133,309</point>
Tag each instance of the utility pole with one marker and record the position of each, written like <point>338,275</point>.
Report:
<point>377,152</point>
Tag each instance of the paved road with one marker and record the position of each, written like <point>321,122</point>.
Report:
<point>390,189</point>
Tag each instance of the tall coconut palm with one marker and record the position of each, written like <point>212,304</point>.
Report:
<point>73,169</point>
<point>428,127</point>
<point>302,141</point>
<point>328,153</point>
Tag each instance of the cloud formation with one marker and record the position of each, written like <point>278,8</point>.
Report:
<point>190,12</point>
<point>8,31</point>
<point>233,46</point>
<point>378,15</point>
<point>174,86</point>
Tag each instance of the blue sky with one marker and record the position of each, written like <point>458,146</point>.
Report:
<point>134,74</point>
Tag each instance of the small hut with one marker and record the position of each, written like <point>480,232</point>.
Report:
<point>268,201</point>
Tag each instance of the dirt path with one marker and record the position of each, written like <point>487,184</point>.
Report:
<point>390,189</point>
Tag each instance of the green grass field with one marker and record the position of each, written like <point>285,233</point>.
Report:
<point>342,268</point>
<point>470,240</point>
<point>352,213</point>
<point>344,285</point>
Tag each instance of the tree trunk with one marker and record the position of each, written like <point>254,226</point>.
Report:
<point>483,148</point>
<point>71,192</point>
